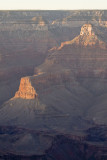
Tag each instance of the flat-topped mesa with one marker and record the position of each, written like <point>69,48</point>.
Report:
<point>26,90</point>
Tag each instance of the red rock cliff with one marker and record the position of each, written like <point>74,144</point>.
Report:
<point>26,90</point>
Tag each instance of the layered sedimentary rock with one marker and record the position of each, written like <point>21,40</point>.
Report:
<point>68,92</point>
<point>87,37</point>
<point>26,90</point>
<point>59,76</point>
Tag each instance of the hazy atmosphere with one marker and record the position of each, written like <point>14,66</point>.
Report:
<point>53,80</point>
<point>52,5</point>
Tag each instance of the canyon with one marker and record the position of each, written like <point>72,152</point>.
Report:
<point>53,85</point>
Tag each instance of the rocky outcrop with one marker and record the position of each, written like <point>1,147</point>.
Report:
<point>87,37</point>
<point>26,90</point>
<point>87,30</point>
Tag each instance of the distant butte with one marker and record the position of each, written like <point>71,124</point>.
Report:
<point>87,37</point>
<point>87,30</point>
<point>26,90</point>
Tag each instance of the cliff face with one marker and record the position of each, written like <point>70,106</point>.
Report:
<point>26,90</point>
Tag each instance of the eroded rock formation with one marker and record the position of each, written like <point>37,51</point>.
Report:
<point>87,30</point>
<point>26,90</point>
<point>87,37</point>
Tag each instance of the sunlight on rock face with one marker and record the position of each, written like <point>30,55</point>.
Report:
<point>26,90</point>
<point>87,30</point>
